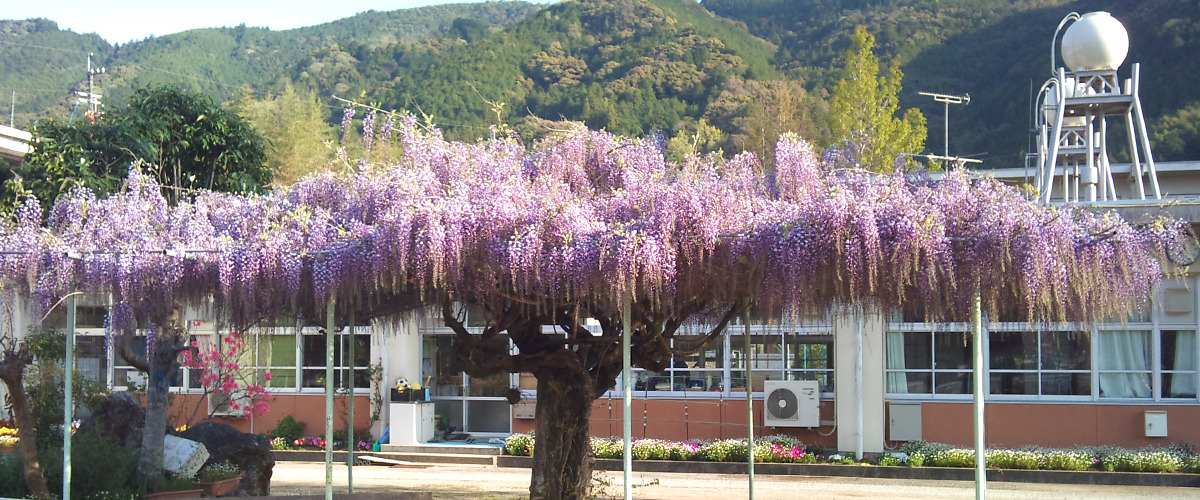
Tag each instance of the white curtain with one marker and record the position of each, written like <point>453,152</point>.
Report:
<point>897,382</point>
<point>1125,351</point>
<point>1185,360</point>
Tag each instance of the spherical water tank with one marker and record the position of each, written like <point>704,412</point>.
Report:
<point>1097,41</point>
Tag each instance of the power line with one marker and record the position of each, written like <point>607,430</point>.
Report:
<point>43,47</point>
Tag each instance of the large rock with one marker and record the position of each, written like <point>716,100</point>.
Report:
<point>249,452</point>
<point>120,416</point>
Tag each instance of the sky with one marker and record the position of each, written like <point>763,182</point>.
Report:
<point>121,21</point>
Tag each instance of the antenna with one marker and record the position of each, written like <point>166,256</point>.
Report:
<point>947,99</point>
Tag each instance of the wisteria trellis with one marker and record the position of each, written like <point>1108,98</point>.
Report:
<point>587,214</point>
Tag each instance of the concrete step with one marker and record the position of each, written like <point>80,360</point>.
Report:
<point>429,458</point>
<point>456,449</point>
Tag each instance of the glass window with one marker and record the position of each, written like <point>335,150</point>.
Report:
<point>1179,364</point>
<point>1031,363</point>
<point>1124,363</point>
<point>810,357</point>
<point>928,363</point>
<point>313,352</point>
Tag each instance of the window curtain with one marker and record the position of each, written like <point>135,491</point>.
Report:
<point>1185,360</point>
<point>1125,351</point>
<point>897,382</point>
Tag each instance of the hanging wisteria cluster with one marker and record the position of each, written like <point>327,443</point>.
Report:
<point>586,214</point>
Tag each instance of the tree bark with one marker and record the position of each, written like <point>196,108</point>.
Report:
<point>12,371</point>
<point>562,458</point>
<point>160,365</point>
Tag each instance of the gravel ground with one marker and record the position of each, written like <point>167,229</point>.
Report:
<point>485,482</point>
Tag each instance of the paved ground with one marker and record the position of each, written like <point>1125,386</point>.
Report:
<point>485,482</point>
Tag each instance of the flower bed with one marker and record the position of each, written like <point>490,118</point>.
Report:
<point>313,443</point>
<point>786,449</point>
<point>8,435</point>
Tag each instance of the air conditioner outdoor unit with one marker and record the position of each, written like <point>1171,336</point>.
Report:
<point>793,403</point>
<point>218,405</point>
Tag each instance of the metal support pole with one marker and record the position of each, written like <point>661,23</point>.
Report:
<point>1141,122</point>
<point>1089,182</point>
<point>1136,170</point>
<point>68,397</point>
<point>329,334</point>
<point>977,386</point>
<point>946,122</point>
<point>351,442</point>
<point>858,384</point>
<point>1055,137</point>
<point>627,393</point>
<point>749,403</point>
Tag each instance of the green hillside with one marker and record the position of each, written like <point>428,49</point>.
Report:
<point>629,66</point>
<point>993,49</point>
<point>42,63</point>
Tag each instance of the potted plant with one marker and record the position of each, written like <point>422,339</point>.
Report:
<point>219,479</point>
<point>175,487</point>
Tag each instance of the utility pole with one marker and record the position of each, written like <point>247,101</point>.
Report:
<point>12,112</point>
<point>92,98</point>
<point>964,99</point>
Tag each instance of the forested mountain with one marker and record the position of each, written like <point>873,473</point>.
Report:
<point>996,50</point>
<point>42,63</point>
<point>629,66</point>
<point>722,73</point>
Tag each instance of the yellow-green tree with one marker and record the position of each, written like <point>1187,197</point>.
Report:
<point>300,141</point>
<point>862,111</point>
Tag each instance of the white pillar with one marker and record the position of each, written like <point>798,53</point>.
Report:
<point>846,398</point>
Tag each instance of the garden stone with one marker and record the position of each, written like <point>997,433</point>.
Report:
<point>120,416</point>
<point>249,452</point>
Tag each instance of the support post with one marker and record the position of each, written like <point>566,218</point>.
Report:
<point>977,386</point>
<point>329,334</point>
<point>1141,122</point>
<point>351,442</point>
<point>627,394</point>
<point>858,384</point>
<point>68,397</point>
<point>1052,161</point>
<point>749,402</point>
<point>946,122</point>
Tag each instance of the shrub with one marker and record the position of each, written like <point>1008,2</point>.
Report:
<point>890,461</point>
<point>726,450</point>
<point>288,429</point>
<point>607,448</point>
<point>12,476</point>
<point>1147,460</point>
<point>99,465</point>
<point>176,483</point>
<point>952,457</point>
<point>1069,460</point>
<point>520,445</point>
<point>1014,459</point>
<point>781,440</point>
<point>683,451</point>
<point>916,459</point>
<point>650,449</point>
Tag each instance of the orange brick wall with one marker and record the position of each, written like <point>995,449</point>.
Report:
<point>1056,425</point>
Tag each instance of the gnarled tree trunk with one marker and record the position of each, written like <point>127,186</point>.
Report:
<point>12,371</point>
<point>562,457</point>
<point>160,364</point>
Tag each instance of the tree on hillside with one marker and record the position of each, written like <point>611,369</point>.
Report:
<point>299,141</point>
<point>197,144</point>
<point>755,113</point>
<point>862,110</point>
<point>189,141</point>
